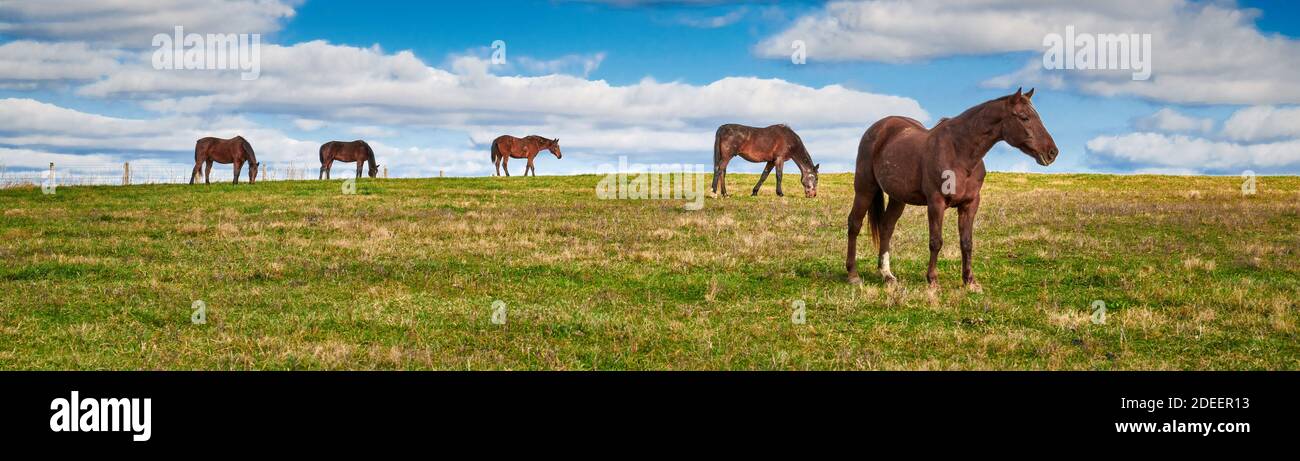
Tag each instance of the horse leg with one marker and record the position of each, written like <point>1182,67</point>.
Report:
<point>718,174</point>
<point>966,228</point>
<point>359,165</point>
<point>720,177</point>
<point>198,168</point>
<point>892,212</point>
<point>861,203</point>
<point>239,165</point>
<point>780,172</point>
<point>935,213</point>
<point>505,165</point>
<point>497,162</point>
<point>530,167</point>
<point>762,178</point>
<point>207,173</point>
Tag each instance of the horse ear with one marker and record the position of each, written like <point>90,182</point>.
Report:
<point>555,141</point>
<point>817,167</point>
<point>1030,94</point>
<point>1015,98</point>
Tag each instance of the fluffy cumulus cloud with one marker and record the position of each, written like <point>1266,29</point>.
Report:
<point>1263,123</point>
<point>329,81</point>
<point>1202,52</point>
<point>1262,139</point>
<point>322,90</point>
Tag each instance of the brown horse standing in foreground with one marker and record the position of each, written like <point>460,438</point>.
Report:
<point>939,168</point>
<point>773,145</point>
<point>355,151</point>
<point>235,150</point>
<point>506,147</point>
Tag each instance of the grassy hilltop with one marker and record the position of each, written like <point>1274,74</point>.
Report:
<point>404,275</point>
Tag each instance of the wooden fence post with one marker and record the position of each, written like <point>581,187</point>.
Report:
<point>439,173</point>
<point>385,172</point>
<point>126,173</point>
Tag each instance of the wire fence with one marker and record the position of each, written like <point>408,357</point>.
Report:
<point>98,174</point>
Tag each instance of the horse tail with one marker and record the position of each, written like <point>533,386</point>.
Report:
<point>717,147</point>
<point>869,146</point>
<point>875,213</point>
<point>199,150</point>
<point>323,148</point>
<point>496,151</point>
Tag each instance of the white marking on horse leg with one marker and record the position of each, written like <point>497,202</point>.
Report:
<point>884,266</point>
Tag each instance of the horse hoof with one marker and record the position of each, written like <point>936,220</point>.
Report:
<point>891,280</point>
<point>974,287</point>
<point>854,279</point>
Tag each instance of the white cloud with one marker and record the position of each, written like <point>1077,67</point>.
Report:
<point>370,131</point>
<point>318,80</point>
<point>1202,52</point>
<point>1169,120</point>
<point>1263,123</point>
<point>714,22</point>
<point>1261,138</point>
<point>133,23</point>
<point>307,124</point>
<point>26,60</point>
<point>339,91</point>
<point>1186,153</point>
<point>573,64</point>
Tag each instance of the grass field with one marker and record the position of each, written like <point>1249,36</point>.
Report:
<point>404,274</point>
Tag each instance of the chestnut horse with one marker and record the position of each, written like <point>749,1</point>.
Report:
<point>773,145</point>
<point>356,151</point>
<point>235,150</point>
<point>939,168</point>
<point>506,147</point>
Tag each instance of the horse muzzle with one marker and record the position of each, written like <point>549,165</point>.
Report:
<point>1046,158</point>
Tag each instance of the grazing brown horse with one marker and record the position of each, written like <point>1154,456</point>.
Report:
<point>356,151</point>
<point>773,145</point>
<point>507,147</point>
<point>939,168</point>
<point>235,150</point>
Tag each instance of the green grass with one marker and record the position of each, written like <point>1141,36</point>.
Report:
<point>403,275</point>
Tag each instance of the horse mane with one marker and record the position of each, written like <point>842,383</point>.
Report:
<point>248,148</point>
<point>969,113</point>
<point>800,152</point>
<point>370,153</point>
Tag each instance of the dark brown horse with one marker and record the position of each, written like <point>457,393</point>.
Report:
<point>235,150</point>
<point>939,168</point>
<point>356,151</point>
<point>507,147</point>
<point>773,145</point>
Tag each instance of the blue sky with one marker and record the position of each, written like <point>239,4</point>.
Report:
<point>339,70</point>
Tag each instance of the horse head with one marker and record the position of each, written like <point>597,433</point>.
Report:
<point>809,181</point>
<point>1022,129</point>
<point>252,171</point>
<point>554,147</point>
<point>374,169</point>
